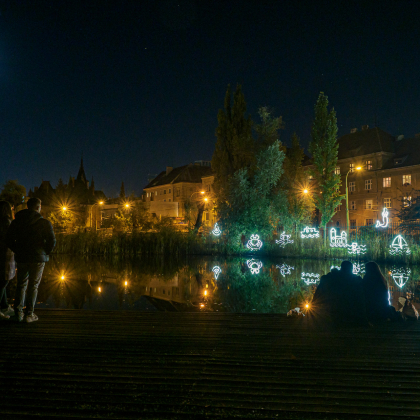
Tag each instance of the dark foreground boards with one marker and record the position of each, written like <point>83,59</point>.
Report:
<point>125,365</point>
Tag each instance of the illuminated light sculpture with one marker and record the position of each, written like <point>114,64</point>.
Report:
<point>285,269</point>
<point>254,244</point>
<point>309,232</point>
<point>335,266</point>
<point>400,276</point>
<point>284,240</point>
<point>216,231</point>
<point>310,278</point>
<point>358,268</point>
<point>338,241</point>
<point>216,270</point>
<point>399,246</point>
<point>385,219</point>
<point>355,249</point>
<point>254,266</point>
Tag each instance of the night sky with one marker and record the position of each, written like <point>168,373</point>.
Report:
<point>136,85</point>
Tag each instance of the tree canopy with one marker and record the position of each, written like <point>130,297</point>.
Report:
<point>13,192</point>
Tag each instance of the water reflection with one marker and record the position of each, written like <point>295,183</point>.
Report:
<point>203,284</point>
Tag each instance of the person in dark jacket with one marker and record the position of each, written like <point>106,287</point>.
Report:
<point>32,239</point>
<point>7,259</point>
<point>375,289</point>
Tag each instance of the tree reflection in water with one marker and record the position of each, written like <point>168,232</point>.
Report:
<point>171,285</point>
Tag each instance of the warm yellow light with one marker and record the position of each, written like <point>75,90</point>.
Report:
<point>305,191</point>
<point>206,199</point>
<point>127,205</point>
<point>359,168</point>
<point>202,305</point>
<point>126,283</point>
<point>101,202</point>
<point>202,192</point>
<point>99,289</point>
<point>307,306</point>
<point>205,292</point>
<point>64,208</point>
<point>62,277</point>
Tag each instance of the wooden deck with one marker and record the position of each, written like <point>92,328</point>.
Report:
<point>125,365</point>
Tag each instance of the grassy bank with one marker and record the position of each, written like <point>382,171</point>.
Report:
<point>176,244</point>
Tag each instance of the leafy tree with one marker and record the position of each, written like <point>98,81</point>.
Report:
<point>268,130</point>
<point>234,146</point>
<point>409,213</point>
<point>13,192</point>
<point>300,205</point>
<point>254,204</point>
<point>324,150</point>
<point>122,191</point>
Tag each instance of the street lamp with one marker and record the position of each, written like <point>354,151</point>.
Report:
<point>359,168</point>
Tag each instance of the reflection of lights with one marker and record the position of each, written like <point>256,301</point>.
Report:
<point>285,269</point>
<point>355,249</point>
<point>310,278</point>
<point>337,241</point>
<point>358,268</point>
<point>254,266</point>
<point>205,292</point>
<point>384,224</point>
<point>309,232</point>
<point>254,244</point>
<point>284,240</point>
<point>400,276</point>
<point>399,246</point>
<point>216,270</point>
<point>216,231</point>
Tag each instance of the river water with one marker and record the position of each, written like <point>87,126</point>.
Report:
<point>197,284</point>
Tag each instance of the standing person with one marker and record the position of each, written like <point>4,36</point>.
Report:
<point>31,238</point>
<point>7,259</point>
<point>375,289</point>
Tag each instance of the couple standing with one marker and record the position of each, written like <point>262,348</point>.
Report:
<point>25,242</point>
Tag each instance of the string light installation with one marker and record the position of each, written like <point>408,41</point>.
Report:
<point>254,244</point>
<point>254,266</point>
<point>338,241</point>
<point>284,240</point>
<point>216,231</point>
<point>357,268</point>
<point>216,270</point>
<point>309,232</point>
<point>285,269</point>
<point>310,278</point>
<point>399,246</point>
<point>400,276</point>
<point>355,249</point>
<point>385,219</point>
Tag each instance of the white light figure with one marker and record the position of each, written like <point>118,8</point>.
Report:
<point>338,241</point>
<point>334,266</point>
<point>309,232</point>
<point>358,268</point>
<point>254,266</point>
<point>399,246</point>
<point>284,240</point>
<point>355,249</point>
<point>216,270</point>
<point>400,276</point>
<point>310,278</point>
<point>254,244</point>
<point>385,219</point>
<point>285,269</point>
<point>216,231</point>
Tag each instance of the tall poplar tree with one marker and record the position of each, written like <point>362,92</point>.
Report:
<point>324,150</point>
<point>234,146</point>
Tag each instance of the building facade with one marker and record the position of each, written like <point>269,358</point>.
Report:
<point>389,176</point>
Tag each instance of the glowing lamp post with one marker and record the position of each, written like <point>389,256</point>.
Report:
<point>359,168</point>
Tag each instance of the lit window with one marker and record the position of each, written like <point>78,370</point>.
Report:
<point>387,203</point>
<point>368,165</point>
<point>337,170</point>
<point>406,179</point>
<point>352,205</point>
<point>352,167</point>
<point>352,186</point>
<point>407,201</point>
<point>369,204</point>
<point>368,184</point>
<point>369,222</point>
<point>387,182</point>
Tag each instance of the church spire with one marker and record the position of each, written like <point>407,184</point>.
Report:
<point>81,176</point>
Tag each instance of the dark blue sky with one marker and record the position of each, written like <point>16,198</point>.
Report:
<point>136,85</point>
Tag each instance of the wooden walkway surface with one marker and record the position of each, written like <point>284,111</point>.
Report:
<point>131,365</point>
